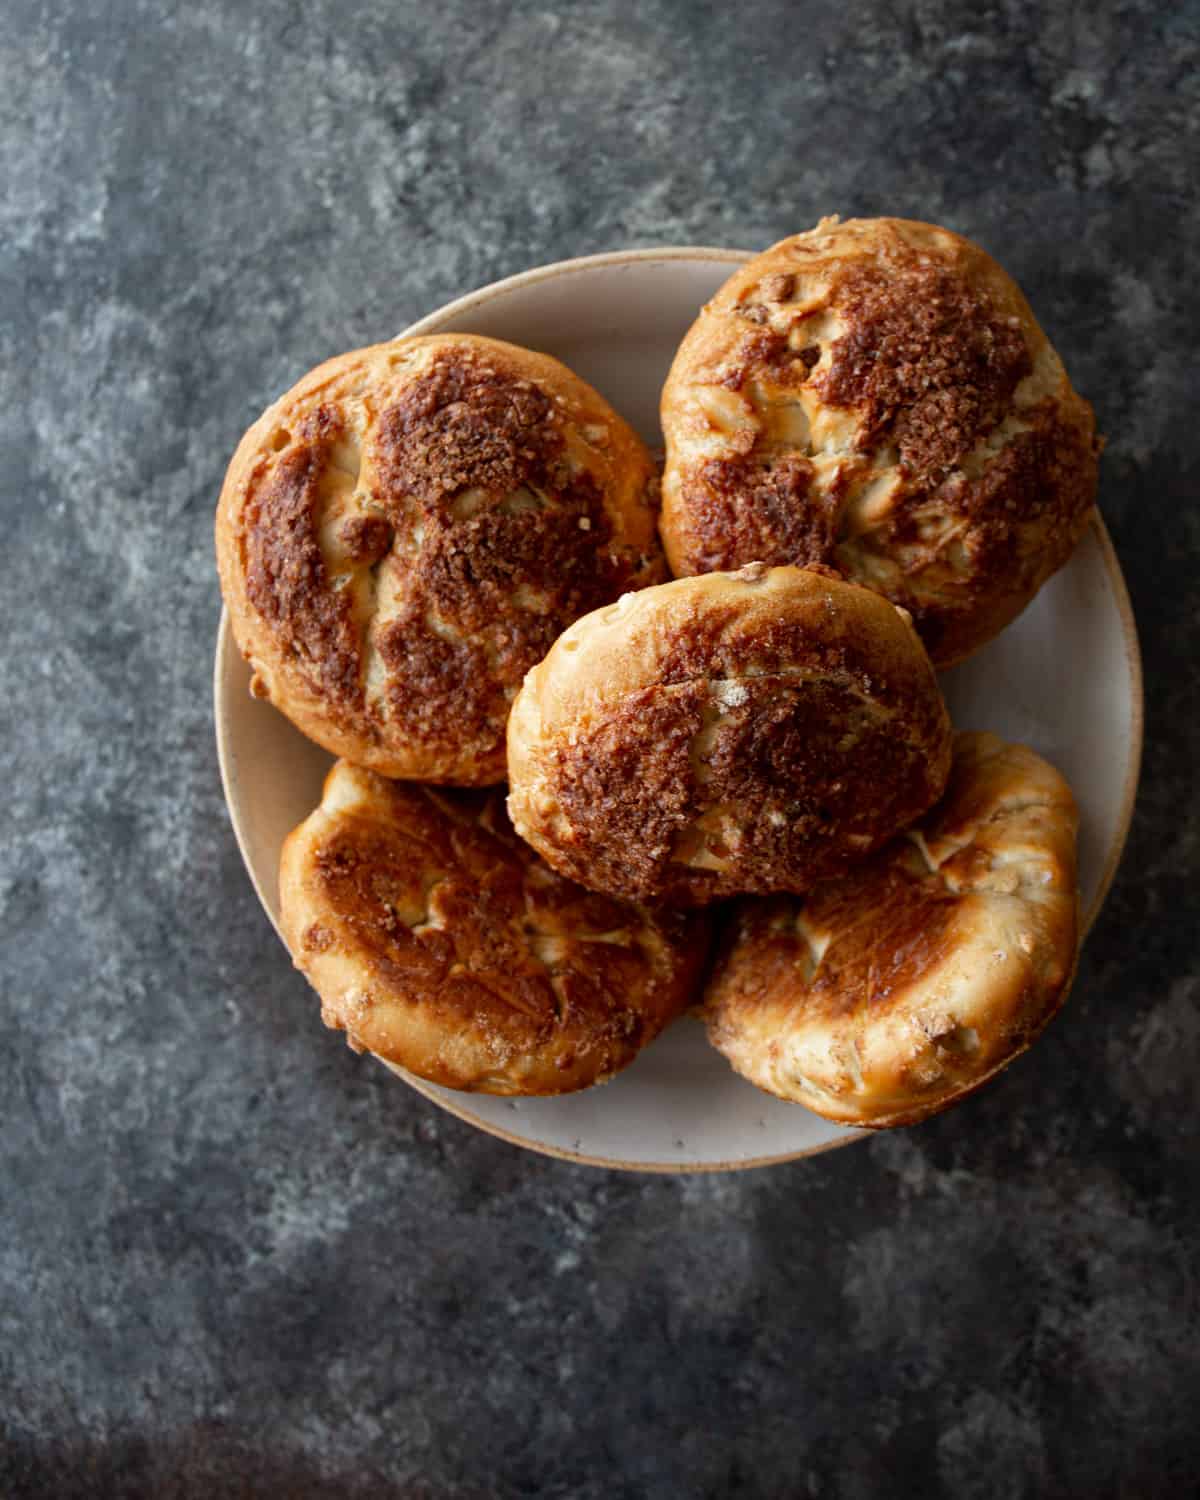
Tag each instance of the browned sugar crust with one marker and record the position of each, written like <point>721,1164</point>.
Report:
<point>727,743</point>
<point>888,994</point>
<point>926,359</point>
<point>438,940</point>
<point>877,395</point>
<point>408,530</point>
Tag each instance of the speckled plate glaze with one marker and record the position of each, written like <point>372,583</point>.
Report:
<point>1064,678</point>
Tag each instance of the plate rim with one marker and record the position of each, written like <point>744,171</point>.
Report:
<point>226,758</point>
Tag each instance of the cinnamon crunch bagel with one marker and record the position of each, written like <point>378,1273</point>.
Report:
<point>888,994</point>
<point>439,941</point>
<point>735,732</point>
<point>404,534</point>
<point>877,395</point>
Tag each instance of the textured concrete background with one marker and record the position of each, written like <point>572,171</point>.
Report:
<point>235,1259</point>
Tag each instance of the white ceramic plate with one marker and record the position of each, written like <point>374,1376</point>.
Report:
<point>1065,678</point>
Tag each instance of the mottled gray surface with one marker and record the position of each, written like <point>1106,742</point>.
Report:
<point>235,1259</point>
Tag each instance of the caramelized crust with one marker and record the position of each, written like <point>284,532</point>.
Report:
<point>878,396</point>
<point>439,941</point>
<point>886,995</point>
<point>746,732</point>
<point>404,534</point>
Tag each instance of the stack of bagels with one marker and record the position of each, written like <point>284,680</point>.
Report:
<point>712,694</point>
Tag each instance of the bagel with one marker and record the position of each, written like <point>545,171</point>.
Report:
<point>738,732</point>
<point>439,941</point>
<point>877,395</point>
<point>889,994</point>
<point>405,533</point>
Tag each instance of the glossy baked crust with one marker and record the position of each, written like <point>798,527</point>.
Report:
<point>439,941</point>
<point>878,396</point>
<point>887,995</point>
<point>406,531</point>
<point>735,732</point>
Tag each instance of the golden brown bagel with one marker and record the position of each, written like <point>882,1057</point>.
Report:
<point>751,731</point>
<point>877,395</point>
<point>890,993</point>
<point>439,941</point>
<point>405,532</point>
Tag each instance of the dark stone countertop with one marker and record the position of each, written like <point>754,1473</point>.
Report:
<point>234,1258</point>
